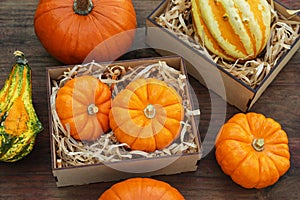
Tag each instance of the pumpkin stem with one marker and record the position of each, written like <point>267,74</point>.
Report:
<point>20,57</point>
<point>92,109</point>
<point>150,111</point>
<point>83,7</point>
<point>258,144</point>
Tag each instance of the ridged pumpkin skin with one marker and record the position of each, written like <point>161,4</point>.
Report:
<point>232,29</point>
<point>70,36</point>
<point>146,115</point>
<point>19,123</point>
<point>83,104</point>
<point>253,150</point>
<point>141,188</point>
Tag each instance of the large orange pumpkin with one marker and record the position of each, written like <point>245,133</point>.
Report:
<point>253,150</point>
<point>141,188</point>
<point>146,115</point>
<point>233,29</point>
<point>83,104</point>
<point>71,29</point>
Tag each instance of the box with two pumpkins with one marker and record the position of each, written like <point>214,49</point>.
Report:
<point>112,120</point>
<point>137,125</point>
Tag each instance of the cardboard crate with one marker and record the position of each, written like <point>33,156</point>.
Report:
<point>235,91</point>
<point>102,172</point>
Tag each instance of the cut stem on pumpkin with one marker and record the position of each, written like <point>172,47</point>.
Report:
<point>150,111</point>
<point>83,7</point>
<point>258,144</point>
<point>92,109</point>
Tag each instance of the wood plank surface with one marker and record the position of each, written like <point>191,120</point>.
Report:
<point>31,178</point>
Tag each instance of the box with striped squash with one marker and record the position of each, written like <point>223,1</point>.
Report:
<point>234,48</point>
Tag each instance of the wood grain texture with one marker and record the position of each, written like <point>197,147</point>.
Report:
<point>31,178</point>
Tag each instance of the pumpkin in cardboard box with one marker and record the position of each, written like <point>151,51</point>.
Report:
<point>83,105</point>
<point>71,30</point>
<point>253,150</point>
<point>147,115</point>
<point>141,188</point>
<point>232,29</point>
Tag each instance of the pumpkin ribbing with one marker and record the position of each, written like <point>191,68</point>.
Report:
<point>146,115</point>
<point>253,150</point>
<point>141,188</point>
<point>83,104</point>
<point>73,31</point>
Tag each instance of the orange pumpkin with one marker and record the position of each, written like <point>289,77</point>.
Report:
<point>83,104</point>
<point>141,188</point>
<point>70,29</point>
<point>253,150</point>
<point>233,29</point>
<point>146,115</point>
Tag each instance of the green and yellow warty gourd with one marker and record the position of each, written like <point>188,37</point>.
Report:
<point>19,123</point>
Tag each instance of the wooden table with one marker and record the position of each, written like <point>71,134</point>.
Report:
<point>31,178</point>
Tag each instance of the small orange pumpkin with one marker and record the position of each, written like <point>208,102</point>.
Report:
<point>141,188</point>
<point>71,29</point>
<point>233,29</point>
<point>146,115</point>
<point>253,150</point>
<point>83,104</point>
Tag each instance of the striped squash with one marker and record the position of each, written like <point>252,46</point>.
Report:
<point>19,123</point>
<point>232,29</point>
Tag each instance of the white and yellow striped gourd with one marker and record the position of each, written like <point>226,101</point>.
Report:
<point>233,29</point>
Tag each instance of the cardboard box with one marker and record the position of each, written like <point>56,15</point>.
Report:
<point>109,171</point>
<point>210,74</point>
